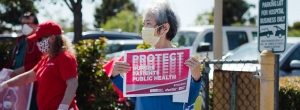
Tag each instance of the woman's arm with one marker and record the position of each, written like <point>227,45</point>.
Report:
<point>72,84</point>
<point>195,83</point>
<point>194,91</point>
<point>22,79</point>
<point>118,81</point>
<point>18,71</point>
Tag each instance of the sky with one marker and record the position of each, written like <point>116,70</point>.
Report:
<point>187,10</point>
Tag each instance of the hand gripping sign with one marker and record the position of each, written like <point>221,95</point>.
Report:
<point>5,74</point>
<point>157,72</point>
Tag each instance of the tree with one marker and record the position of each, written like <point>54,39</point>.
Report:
<point>296,26</point>
<point>75,6</point>
<point>205,18</point>
<point>234,12</point>
<point>12,10</point>
<point>125,20</point>
<point>294,30</point>
<point>109,8</point>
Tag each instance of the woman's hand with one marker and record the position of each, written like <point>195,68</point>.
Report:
<point>120,67</point>
<point>194,66</point>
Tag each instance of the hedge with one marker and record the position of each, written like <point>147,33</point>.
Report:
<point>289,93</point>
<point>6,48</point>
<point>95,91</point>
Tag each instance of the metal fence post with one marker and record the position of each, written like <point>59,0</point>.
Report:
<point>233,86</point>
<point>276,82</point>
<point>205,87</point>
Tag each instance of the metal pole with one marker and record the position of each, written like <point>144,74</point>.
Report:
<point>205,87</point>
<point>137,24</point>
<point>276,82</point>
<point>232,97</point>
<point>217,36</point>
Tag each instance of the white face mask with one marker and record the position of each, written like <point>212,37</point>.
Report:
<point>44,45</point>
<point>26,30</point>
<point>148,36</point>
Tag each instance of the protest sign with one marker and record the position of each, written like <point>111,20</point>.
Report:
<point>157,72</point>
<point>14,98</point>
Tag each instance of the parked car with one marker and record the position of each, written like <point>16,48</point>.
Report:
<point>117,47</point>
<point>289,62</point>
<point>69,35</point>
<point>8,37</point>
<point>200,38</point>
<point>111,35</point>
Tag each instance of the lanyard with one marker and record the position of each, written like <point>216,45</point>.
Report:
<point>29,49</point>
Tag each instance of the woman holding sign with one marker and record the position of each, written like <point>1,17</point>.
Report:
<point>160,27</point>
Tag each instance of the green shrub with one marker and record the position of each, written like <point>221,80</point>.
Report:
<point>289,93</point>
<point>95,91</point>
<point>6,47</point>
<point>294,32</point>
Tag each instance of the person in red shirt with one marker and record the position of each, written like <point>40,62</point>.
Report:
<point>56,72</point>
<point>26,55</point>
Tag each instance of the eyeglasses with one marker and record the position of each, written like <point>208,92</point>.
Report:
<point>40,39</point>
<point>160,26</point>
<point>27,23</point>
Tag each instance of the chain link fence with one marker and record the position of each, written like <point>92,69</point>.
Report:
<point>234,85</point>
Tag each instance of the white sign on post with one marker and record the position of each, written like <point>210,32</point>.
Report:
<point>272,31</point>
